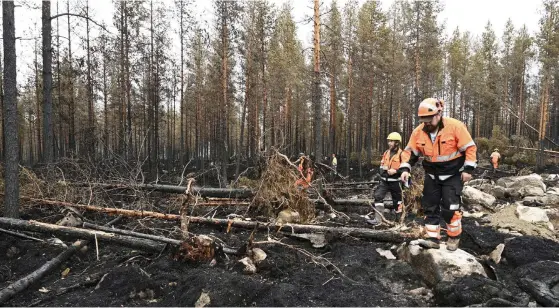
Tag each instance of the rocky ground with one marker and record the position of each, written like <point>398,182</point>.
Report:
<point>509,256</point>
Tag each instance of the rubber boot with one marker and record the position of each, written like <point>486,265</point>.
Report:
<point>430,243</point>
<point>452,243</point>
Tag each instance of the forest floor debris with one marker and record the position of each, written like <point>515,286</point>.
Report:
<point>293,269</point>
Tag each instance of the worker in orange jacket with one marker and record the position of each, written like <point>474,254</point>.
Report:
<point>305,171</point>
<point>449,158</point>
<point>390,178</point>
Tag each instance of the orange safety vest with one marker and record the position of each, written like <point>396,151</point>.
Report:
<point>452,151</point>
<point>388,163</point>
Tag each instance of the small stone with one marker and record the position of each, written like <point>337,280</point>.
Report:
<point>495,255</point>
<point>250,268</point>
<point>503,230</point>
<point>203,300</point>
<point>258,255</point>
<point>386,253</point>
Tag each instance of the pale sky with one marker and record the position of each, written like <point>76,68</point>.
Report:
<point>471,15</point>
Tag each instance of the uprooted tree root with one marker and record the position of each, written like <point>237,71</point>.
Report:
<point>413,194</point>
<point>276,190</point>
<point>196,248</point>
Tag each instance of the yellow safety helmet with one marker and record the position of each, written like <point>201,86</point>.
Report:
<point>394,136</point>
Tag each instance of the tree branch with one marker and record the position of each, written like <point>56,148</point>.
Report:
<point>81,16</point>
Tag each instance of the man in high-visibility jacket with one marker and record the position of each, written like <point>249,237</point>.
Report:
<point>449,158</point>
<point>495,158</point>
<point>390,177</point>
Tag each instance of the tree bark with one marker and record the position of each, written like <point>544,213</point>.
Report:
<point>90,137</point>
<point>11,162</point>
<point>316,98</point>
<point>47,84</point>
<point>72,103</point>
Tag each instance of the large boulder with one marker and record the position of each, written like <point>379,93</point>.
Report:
<point>436,265</point>
<point>528,185</point>
<point>473,196</point>
<point>539,279</point>
<point>531,214</point>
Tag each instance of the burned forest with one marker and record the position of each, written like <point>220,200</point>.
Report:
<point>279,153</point>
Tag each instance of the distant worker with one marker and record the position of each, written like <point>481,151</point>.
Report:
<point>495,158</point>
<point>390,178</point>
<point>334,163</point>
<point>305,172</point>
<point>449,154</point>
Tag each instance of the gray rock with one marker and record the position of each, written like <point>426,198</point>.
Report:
<point>436,265</point>
<point>531,214</point>
<point>472,196</point>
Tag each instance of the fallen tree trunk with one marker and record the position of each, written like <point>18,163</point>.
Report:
<point>156,238</point>
<point>380,235</point>
<point>131,242</point>
<point>26,281</point>
<point>240,193</point>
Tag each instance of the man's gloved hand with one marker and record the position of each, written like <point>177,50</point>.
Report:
<point>466,177</point>
<point>405,176</point>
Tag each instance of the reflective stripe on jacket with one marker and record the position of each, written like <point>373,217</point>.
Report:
<point>452,151</point>
<point>390,162</point>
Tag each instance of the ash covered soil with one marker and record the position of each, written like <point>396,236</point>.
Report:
<point>288,276</point>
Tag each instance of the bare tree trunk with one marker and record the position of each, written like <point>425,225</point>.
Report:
<point>90,137</point>
<point>332,112</point>
<point>417,65</point>
<point>223,124</point>
<point>127,86</point>
<point>72,111</point>
<point>38,103</point>
<point>11,162</point>
<point>47,84</point>
<point>243,117</point>
<point>348,123</point>
<point>520,106</point>
<point>182,107</point>
<point>61,147</point>
<point>316,89</point>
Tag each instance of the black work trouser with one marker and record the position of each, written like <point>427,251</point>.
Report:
<point>441,198</point>
<point>389,186</point>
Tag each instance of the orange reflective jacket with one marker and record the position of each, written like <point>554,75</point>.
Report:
<point>452,151</point>
<point>390,162</point>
